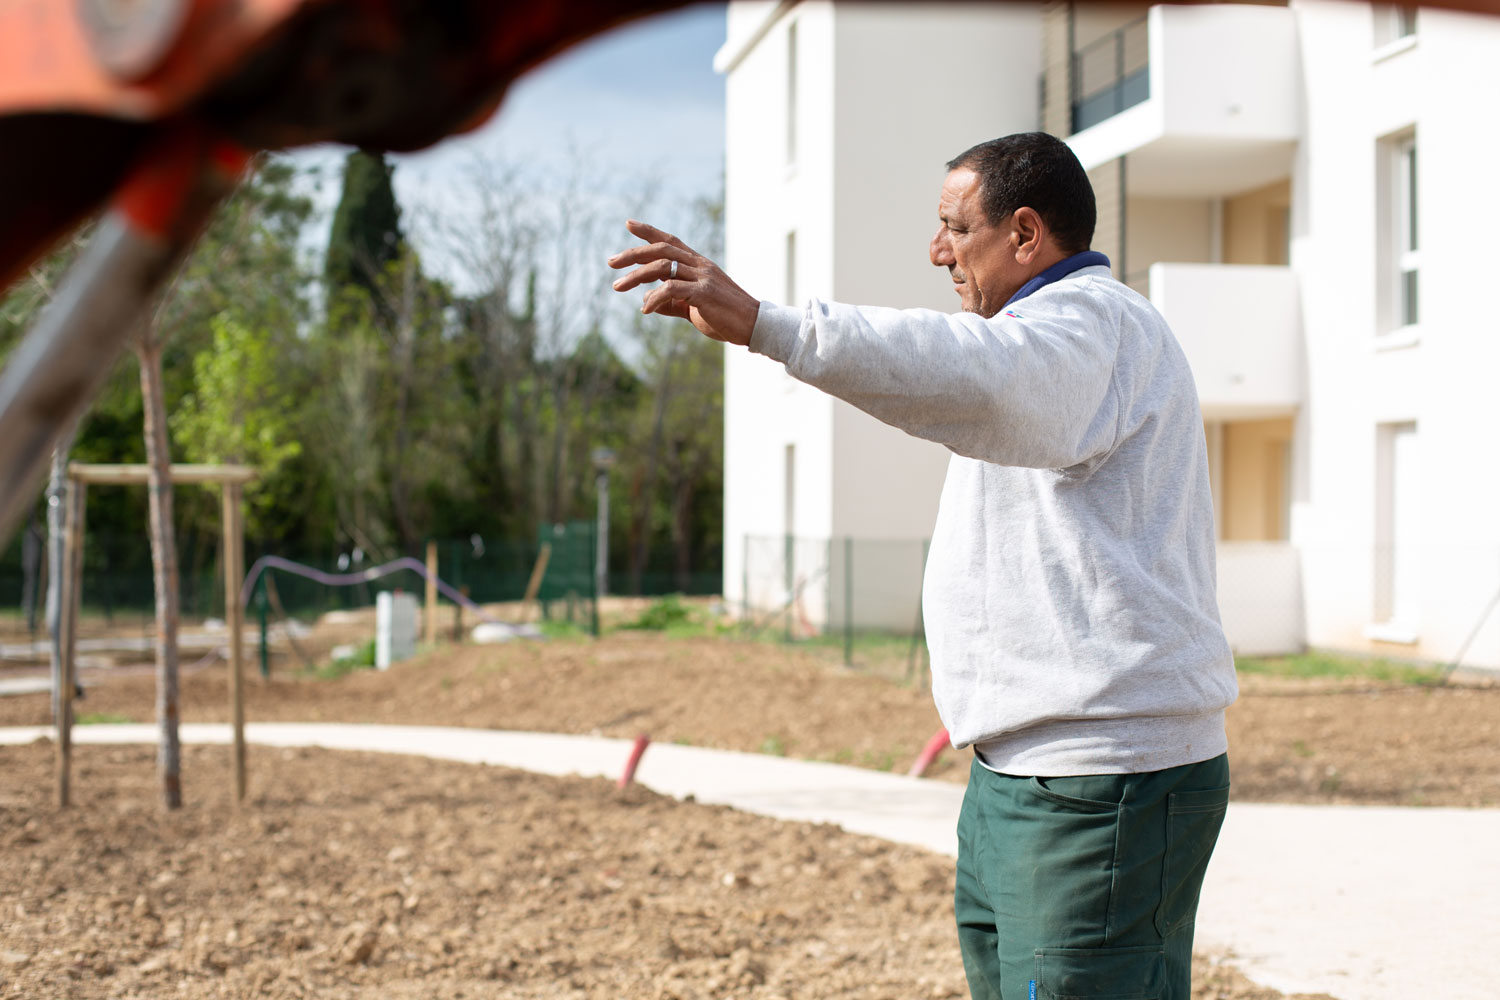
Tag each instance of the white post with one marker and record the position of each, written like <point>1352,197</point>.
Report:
<point>395,628</point>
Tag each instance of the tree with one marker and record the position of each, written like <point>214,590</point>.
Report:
<point>243,410</point>
<point>683,441</point>
<point>245,259</point>
<point>366,235</point>
<point>148,347</point>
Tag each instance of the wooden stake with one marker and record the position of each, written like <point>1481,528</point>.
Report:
<point>431,630</point>
<point>234,572</point>
<point>72,586</point>
<point>537,572</point>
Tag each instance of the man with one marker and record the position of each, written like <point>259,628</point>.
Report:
<point>1069,593</point>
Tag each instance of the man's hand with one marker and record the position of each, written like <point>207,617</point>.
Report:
<point>700,292</point>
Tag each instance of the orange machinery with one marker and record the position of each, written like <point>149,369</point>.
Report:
<point>149,110</point>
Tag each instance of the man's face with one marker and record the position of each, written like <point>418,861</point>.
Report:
<point>979,254</point>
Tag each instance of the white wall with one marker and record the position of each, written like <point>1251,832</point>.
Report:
<point>765,198</point>
<point>1229,70</point>
<point>1441,376</point>
<point>1178,230</point>
<point>914,87</point>
<point>1260,597</point>
<point>887,95</point>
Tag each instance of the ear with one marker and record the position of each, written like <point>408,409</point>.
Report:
<point>1030,234</point>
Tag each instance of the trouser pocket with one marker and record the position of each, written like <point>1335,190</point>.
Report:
<point>1138,973</point>
<point>1193,822</point>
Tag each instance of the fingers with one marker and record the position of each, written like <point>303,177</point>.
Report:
<point>657,270</point>
<point>677,309</point>
<point>651,234</point>
<point>650,252</point>
<point>699,292</point>
<point>669,294</point>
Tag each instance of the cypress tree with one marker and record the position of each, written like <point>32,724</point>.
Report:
<point>366,234</point>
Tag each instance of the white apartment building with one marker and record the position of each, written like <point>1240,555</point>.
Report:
<point>1302,191</point>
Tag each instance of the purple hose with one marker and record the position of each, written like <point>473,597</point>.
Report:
<point>346,579</point>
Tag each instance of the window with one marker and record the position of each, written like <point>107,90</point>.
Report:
<point>791,268</point>
<point>1398,233</point>
<point>1397,531</point>
<point>1393,23</point>
<point>1406,209</point>
<point>791,93</point>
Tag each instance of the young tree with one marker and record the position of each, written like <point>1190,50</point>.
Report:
<point>246,260</point>
<point>148,348</point>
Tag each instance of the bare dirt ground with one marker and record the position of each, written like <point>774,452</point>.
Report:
<point>356,875</point>
<point>365,875</point>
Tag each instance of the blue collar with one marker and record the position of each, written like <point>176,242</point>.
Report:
<point>1058,271</point>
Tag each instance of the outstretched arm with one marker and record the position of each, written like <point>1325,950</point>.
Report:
<point>700,292</point>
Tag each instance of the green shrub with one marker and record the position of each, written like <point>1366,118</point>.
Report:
<point>663,614</point>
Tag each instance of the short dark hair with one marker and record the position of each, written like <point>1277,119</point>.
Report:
<point>1036,170</point>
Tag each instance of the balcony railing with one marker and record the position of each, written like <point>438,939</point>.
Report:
<point>1109,75</point>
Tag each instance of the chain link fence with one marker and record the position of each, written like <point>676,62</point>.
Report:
<point>860,599</point>
<point>118,595</point>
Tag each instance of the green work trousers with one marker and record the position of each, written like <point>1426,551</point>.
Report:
<point>1087,886</point>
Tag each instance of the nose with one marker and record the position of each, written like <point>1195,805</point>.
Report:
<point>940,250</point>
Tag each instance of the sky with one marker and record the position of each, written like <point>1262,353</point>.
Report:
<point>640,104</point>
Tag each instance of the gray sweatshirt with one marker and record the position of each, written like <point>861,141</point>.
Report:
<point>1069,593</point>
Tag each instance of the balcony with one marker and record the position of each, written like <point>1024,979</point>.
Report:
<point>1241,328</point>
<point>1203,101</point>
<point>1109,75</point>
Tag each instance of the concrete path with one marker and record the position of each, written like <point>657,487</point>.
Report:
<point>1362,903</point>
<point>39,684</point>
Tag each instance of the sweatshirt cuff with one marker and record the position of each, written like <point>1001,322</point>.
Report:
<point>777,329</point>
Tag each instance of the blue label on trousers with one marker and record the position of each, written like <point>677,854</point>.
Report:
<point>1032,991</point>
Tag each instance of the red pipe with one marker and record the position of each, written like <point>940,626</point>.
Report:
<point>636,751</point>
<point>929,753</point>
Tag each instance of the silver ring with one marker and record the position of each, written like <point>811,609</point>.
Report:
<point>673,272</point>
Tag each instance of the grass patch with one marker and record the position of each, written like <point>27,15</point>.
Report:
<point>560,629</point>
<point>773,745</point>
<point>363,659</point>
<point>101,719</point>
<point>1318,664</point>
<point>338,668</point>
